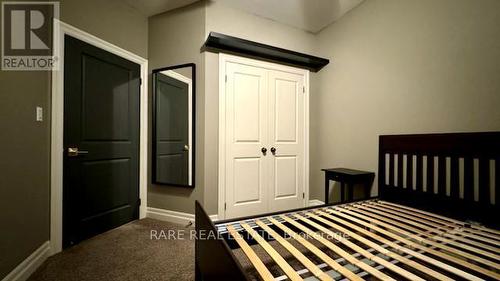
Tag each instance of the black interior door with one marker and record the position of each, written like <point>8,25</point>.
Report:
<point>101,141</point>
<point>172,131</point>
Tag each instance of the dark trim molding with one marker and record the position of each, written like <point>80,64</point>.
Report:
<point>217,42</point>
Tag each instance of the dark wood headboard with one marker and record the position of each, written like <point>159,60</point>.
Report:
<point>455,174</point>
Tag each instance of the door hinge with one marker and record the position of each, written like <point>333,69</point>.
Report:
<point>139,202</point>
<point>303,195</point>
<point>140,81</point>
<point>225,206</point>
<point>225,78</point>
<point>303,89</point>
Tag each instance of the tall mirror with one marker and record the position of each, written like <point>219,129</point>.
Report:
<point>173,125</point>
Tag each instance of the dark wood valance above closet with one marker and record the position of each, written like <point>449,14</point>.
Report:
<point>217,42</point>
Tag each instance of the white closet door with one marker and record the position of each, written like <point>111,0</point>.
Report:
<point>246,117</point>
<point>286,133</point>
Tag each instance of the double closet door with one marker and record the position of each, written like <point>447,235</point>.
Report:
<point>264,123</point>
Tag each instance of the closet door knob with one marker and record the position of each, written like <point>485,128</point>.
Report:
<point>264,150</point>
<point>273,150</point>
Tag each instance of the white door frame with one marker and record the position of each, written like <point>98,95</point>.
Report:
<point>57,125</point>
<point>223,58</point>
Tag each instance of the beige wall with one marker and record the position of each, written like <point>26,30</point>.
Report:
<point>403,66</point>
<point>24,166</point>
<point>236,23</point>
<point>111,20</point>
<point>176,38</point>
<point>25,144</point>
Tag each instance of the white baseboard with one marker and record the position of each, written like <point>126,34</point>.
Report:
<point>185,218</point>
<point>170,216</point>
<point>173,216</point>
<point>315,202</point>
<point>24,270</point>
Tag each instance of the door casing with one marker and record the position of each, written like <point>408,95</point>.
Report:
<point>223,59</point>
<point>57,124</point>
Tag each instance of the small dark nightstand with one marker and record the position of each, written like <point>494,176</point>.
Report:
<point>347,178</point>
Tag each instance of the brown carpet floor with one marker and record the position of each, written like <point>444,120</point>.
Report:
<point>128,253</point>
<point>125,253</point>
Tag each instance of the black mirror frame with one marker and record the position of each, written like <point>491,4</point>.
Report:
<point>193,118</point>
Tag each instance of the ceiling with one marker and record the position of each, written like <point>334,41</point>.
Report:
<point>153,7</point>
<point>308,15</point>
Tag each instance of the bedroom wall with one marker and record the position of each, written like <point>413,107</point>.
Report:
<point>176,37</point>
<point>403,66</point>
<point>236,23</point>
<point>25,144</point>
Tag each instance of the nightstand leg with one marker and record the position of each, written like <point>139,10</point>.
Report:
<point>350,192</point>
<point>327,187</point>
<point>342,192</point>
<point>367,190</point>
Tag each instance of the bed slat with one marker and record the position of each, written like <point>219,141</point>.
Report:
<point>422,212</point>
<point>457,236</point>
<point>365,241</point>
<point>477,229</point>
<point>391,244</point>
<point>442,246</point>
<point>404,240</point>
<point>380,249</point>
<point>358,249</point>
<point>332,263</point>
<point>289,271</point>
<point>446,224</point>
<point>296,253</point>
<point>411,220</point>
<point>348,257</point>
<point>252,256</point>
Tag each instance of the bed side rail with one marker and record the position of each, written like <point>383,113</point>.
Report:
<point>213,257</point>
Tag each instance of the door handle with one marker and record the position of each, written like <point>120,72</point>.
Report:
<point>186,147</point>
<point>273,150</point>
<point>264,150</point>
<point>74,151</point>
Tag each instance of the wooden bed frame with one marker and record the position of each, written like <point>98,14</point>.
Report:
<point>436,218</point>
<point>472,151</point>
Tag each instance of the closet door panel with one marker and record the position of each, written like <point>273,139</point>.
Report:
<point>247,169</point>
<point>285,110</point>
<point>286,133</point>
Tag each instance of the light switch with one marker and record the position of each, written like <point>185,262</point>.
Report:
<point>39,114</point>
